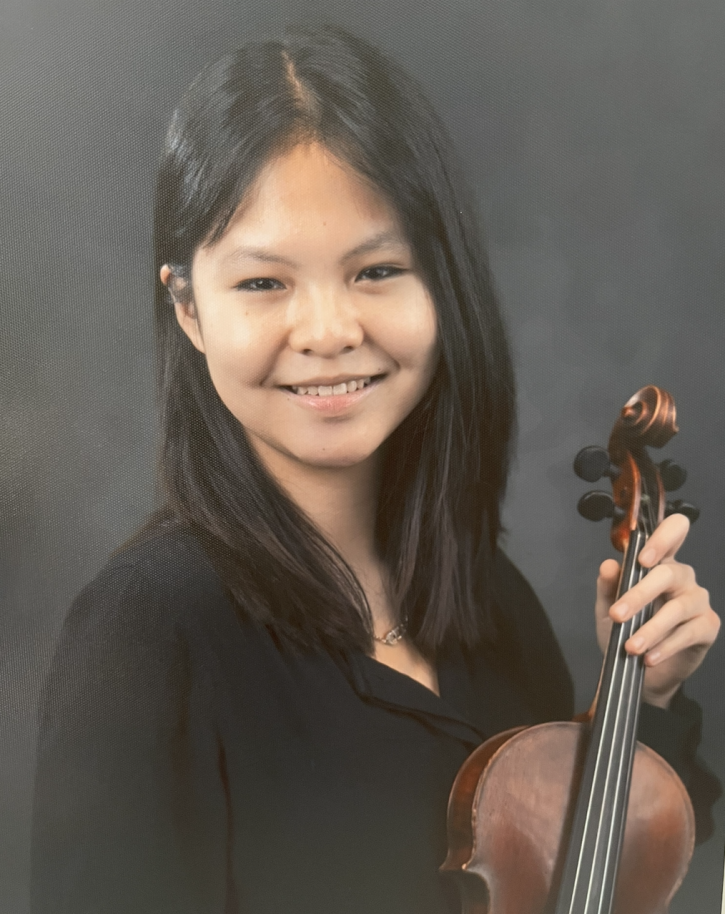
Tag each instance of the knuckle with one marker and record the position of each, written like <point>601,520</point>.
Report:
<point>715,622</point>
<point>678,610</point>
<point>700,602</point>
<point>668,574</point>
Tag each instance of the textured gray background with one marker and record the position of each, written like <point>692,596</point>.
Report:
<point>594,137</point>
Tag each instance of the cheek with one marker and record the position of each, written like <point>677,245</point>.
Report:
<point>414,335</point>
<point>241,351</point>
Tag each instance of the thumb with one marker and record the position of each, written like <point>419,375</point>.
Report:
<point>607,586</point>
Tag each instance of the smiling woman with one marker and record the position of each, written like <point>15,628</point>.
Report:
<point>311,227</point>
<point>262,701</point>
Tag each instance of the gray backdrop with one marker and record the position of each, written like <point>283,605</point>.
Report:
<point>593,133</point>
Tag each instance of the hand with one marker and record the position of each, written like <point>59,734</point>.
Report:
<point>675,640</point>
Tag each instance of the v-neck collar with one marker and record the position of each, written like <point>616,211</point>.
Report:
<point>375,681</point>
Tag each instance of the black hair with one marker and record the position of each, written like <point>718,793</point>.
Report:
<point>445,467</point>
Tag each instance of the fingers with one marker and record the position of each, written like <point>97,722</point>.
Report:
<point>682,624</point>
<point>667,578</point>
<point>665,541</point>
<point>666,574</point>
<point>675,640</point>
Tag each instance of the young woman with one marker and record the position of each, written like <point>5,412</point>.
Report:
<point>261,702</point>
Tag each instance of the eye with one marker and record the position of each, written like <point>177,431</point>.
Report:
<point>378,272</point>
<point>259,284</point>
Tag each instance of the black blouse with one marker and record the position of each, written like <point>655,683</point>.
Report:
<point>188,762</point>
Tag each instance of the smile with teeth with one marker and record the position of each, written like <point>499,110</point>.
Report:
<point>344,387</point>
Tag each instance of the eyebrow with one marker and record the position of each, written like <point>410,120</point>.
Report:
<point>387,237</point>
<point>247,253</point>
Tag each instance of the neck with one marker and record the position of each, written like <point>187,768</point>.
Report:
<point>341,502</point>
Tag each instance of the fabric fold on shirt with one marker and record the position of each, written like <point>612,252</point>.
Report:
<point>374,681</point>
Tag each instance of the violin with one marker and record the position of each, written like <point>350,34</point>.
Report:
<point>577,817</point>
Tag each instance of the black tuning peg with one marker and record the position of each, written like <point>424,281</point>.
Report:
<point>591,463</point>
<point>682,507</point>
<point>672,474</point>
<point>598,505</point>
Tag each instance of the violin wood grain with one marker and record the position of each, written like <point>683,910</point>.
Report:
<point>517,796</point>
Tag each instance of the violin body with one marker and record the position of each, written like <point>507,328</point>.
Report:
<point>510,815</point>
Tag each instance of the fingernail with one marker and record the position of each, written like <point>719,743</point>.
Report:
<point>653,657</point>
<point>637,643</point>
<point>646,556</point>
<point>620,610</point>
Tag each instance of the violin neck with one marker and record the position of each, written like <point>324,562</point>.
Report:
<point>590,869</point>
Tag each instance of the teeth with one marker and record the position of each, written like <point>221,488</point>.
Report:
<point>325,390</point>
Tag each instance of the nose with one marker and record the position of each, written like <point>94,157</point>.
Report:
<point>323,322</point>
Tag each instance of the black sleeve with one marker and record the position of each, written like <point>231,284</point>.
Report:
<point>129,809</point>
<point>675,735</point>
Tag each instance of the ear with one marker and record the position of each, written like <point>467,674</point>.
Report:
<point>184,306</point>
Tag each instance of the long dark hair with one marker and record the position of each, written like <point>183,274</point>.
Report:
<point>445,467</point>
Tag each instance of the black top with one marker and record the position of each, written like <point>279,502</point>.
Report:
<point>188,762</point>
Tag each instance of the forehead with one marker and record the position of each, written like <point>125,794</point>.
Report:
<point>307,194</point>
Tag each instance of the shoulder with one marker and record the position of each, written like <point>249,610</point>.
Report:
<point>135,641</point>
<point>145,611</point>
<point>162,575</point>
<point>167,561</point>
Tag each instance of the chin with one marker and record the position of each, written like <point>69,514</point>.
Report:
<point>337,461</point>
<point>336,458</point>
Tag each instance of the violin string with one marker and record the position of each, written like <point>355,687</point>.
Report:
<point>627,698</point>
<point>628,669</point>
<point>610,778</point>
<point>593,826</point>
<point>608,752</point>
<point>622,758</point>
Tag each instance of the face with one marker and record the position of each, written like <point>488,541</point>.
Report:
<point>318,331</point>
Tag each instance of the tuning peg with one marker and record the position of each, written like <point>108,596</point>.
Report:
<point>673,475</point>
<point>591,463</point>
<point>682,507</point>
<point>598,505</point>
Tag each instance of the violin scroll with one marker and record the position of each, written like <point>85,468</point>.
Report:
<point>648,419</point>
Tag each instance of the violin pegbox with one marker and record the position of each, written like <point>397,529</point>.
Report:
<point>638,484</point>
